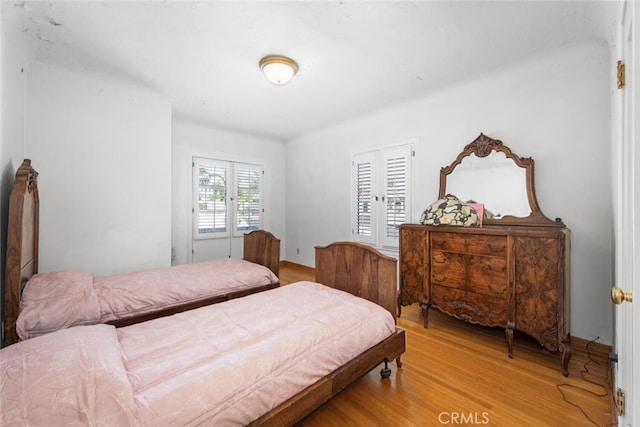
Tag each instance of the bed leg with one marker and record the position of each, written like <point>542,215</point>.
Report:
<point>385,372</point>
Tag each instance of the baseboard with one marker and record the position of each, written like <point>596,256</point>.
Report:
<point>599,352</point>
<point>595,348</point>
<point>298,267</point>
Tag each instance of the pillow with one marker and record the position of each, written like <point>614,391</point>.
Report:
<point>450,211</point>
<point>57,300</point>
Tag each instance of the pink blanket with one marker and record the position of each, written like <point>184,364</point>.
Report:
<point>52,301</point>
<point>224,364</point>
<point>71,377</point>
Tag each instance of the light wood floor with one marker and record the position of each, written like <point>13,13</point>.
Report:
<point>455,373</point>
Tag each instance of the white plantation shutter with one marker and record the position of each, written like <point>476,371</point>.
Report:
<point>396,192</point>
<point>248,179</point>
<point>211,207</point>
<point>227,198</point>
<point>364,217</point>
<point>363,200</point>
<point>381,194</point>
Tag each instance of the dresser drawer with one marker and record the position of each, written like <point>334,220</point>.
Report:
<point>487,275</point>
<point>448,269</point>
<point>470,243</point>
<point>470,306</point>
<point>479,274</point>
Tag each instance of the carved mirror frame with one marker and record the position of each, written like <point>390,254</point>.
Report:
<point>482,147</point>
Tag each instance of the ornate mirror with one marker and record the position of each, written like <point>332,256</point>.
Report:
<point>487,172</point>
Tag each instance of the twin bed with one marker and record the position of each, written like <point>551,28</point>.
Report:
<point>269,358</point>
<point>36,304</point>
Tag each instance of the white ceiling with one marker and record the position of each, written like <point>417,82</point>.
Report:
<point>354,56</point>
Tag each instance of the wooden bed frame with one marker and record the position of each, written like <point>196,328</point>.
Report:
<point>365,272</point>
<point>260,247</point>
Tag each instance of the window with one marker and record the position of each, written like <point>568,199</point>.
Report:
<point>248,185</point>
<point>227,198</point>
<point>381,198</point>
<point>365,189</point>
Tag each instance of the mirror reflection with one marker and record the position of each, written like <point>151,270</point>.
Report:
<point>494,180</point>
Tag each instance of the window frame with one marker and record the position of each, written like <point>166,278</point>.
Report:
<point>381,189</point>
<point>231,199</point>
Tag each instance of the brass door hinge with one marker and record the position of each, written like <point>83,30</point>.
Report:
<point>620,74</point>
<point>620,401</point>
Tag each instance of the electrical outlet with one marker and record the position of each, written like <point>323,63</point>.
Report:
<point>298,251</point>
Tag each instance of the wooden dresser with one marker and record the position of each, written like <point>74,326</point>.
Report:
<point>512,274</point>
<point>512,278</point>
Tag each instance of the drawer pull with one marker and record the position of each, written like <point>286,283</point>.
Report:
<point>497,291</point>
<point>439,260</point>
<point>435,242</point>
<point>497,269</point>
<point>496,249</point>
<point>439,279</point>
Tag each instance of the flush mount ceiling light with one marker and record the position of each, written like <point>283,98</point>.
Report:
<point>278,69</point>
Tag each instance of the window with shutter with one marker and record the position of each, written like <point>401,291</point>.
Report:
<point>227,198</point>
<point>364,216</point>
<point>381,194</point>
<point>248,197</point>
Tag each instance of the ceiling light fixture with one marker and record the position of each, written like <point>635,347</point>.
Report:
<point>278,69</point>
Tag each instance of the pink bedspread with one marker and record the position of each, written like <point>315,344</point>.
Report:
<point>72,377</point>
<point>52,301</point>
<point>224,364</point>
<point>142,292</point>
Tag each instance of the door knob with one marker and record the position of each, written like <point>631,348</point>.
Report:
<point>618,296</point>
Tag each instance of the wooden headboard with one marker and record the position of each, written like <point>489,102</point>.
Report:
<point>22,244</point>
<point>262,247</point>
<point>360,270</point>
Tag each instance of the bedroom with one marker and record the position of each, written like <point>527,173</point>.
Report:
<point>122,137</point>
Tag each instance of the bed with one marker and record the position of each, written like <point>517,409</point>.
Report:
<point>271,359</point>
<point>122,299</point>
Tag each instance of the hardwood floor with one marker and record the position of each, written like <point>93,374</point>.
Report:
<point>455,373</point>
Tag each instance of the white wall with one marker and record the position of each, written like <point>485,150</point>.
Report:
<point>102,147</point>
<point>189,140</point>
<point>554,108</point>
<point>14,55</point>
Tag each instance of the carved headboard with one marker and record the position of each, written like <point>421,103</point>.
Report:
<point>22,244</point>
